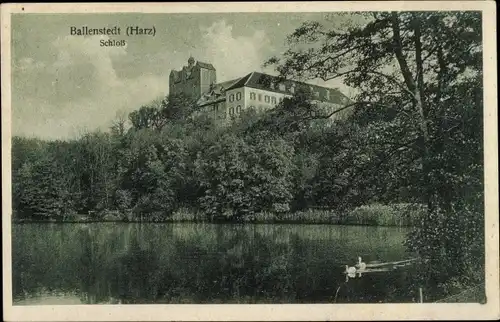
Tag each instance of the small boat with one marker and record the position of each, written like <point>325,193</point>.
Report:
<point>372,267</point>
<point>397,263</point>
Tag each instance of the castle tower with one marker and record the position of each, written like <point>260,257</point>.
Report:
<point>193,79</point>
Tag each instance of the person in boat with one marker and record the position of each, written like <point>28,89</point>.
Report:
<point>361,266</point>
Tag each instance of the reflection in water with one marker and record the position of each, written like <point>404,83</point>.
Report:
<point>202,263</point>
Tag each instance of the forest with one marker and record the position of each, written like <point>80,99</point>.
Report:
<point>408,149</point>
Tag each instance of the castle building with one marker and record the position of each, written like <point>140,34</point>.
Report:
<point>193,80</point>
<point>226,100</point>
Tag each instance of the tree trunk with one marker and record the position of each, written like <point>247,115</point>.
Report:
<point>417,88</point>
<point>420,105</point>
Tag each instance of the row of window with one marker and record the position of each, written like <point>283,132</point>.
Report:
<point>238,110</point>
<point>215,108</point>
<point>238,97</point>
<point>311,88</point>
<point>291,89</point>
<point>254,96</point>
<point>267,98</point>
<point>272,99</point>
<point>327,109</point>
<point>232,111</point>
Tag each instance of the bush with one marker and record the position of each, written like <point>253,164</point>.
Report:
<point>113,215</point>
<point>261,217</point>
<point>311,216</point>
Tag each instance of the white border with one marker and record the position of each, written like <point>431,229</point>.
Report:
<point>234,312</point>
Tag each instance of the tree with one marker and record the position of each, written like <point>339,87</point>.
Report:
<point>43,189</point>
<point>119,125</point>
<point>419,79</point>
<point>241,178</point>
<point>157,114</point>
<point>152,172</point>
<point>146,117</point>
<point>94,162</point>
<point>178,107</point>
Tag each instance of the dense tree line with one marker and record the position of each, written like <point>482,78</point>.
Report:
<point>412,134</point>
<point>274,162</point>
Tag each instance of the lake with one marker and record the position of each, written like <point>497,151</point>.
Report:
<point>135,263</point>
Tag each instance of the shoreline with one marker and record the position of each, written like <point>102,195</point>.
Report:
<point>284,222</point>
<point>375,215</point>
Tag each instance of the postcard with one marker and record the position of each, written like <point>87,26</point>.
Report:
<point>250,161</point>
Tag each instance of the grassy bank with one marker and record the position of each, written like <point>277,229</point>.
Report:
<point>400,215</point>
<point>396,215</point>
<point>385,215</point>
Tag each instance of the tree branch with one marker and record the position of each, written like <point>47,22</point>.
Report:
<point>395,81</point>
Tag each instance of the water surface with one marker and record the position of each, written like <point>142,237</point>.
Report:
<point>129,263</point>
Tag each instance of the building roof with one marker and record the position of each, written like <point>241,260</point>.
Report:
<point>241,82</point>
<point>217,92</point>
<point>205,65</point>
<point>272,83</point>
<point>227,84</point>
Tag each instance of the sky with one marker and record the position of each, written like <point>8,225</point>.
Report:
<point>64,85</point>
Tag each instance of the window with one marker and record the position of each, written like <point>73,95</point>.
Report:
<point>231,97</point>
<point>252,96</point>
<point>282,87</point>
<point>231,111</point>
<point>216,107</point>
<point>238,109</point>
<point>327,94</point>
<point>260,97</point>
<point>273,99</point>
<point>238,96</point>
<point>267,98</point>
<point>292,89</point>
